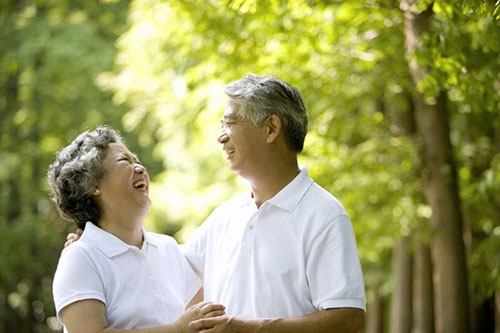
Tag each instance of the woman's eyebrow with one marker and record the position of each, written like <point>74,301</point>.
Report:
<point>135,157</point>
<point>129,155</point>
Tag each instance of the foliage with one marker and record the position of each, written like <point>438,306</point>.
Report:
<point>51,54</point>
<point>155,70</point>
<point>326,50</point>
<point>464,62</point>
<point>347,58</point>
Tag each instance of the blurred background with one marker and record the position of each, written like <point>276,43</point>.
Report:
<point>403,98</point>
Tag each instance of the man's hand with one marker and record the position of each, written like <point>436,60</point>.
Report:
<point>73,237</point>
<point>214,325</point>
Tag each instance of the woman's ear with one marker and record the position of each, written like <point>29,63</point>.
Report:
<point>273,126</point>
<point>97,191</point>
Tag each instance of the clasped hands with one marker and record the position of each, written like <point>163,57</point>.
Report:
<point>204,317</point>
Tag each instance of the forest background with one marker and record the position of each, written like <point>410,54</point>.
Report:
<point>403,98</point>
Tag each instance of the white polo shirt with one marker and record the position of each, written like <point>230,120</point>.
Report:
<point>139,287</point>
<point>293,256</point>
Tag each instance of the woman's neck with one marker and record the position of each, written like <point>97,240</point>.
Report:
<point>127,229</point>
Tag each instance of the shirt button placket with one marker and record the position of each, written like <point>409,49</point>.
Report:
<point>154,282</point>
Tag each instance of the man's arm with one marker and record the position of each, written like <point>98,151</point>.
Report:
<point>73,237</point>
<point>338,320</point>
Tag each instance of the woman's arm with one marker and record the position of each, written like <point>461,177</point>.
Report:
<point>198,298</point>
<point>89,316</point>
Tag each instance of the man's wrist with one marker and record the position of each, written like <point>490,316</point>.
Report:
<point>239,324</point>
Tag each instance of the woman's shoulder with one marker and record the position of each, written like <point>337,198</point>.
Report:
<point>80,250</point>
<point>161,239</point>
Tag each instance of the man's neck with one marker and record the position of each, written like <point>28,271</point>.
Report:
<point>266,187</point>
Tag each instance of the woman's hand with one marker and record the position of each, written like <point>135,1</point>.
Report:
<point>198,311</point>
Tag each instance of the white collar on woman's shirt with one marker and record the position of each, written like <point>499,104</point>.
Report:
<point>108,243</point>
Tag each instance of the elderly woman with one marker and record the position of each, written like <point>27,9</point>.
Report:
<point>118,276</point>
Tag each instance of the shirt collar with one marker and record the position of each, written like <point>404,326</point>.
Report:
<point>108,243</point>
<point>289,196</point>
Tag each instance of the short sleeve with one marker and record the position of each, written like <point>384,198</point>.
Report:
<point>76,279</point>
<point>188,282</point>
<point>194,250</point>
<point>192,282</point>
<point>333,267</point>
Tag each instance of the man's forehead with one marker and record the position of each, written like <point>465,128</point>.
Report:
<point>231,111</point>
<point>232,115</point>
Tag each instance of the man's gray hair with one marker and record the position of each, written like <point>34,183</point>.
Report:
<point>262,96</point>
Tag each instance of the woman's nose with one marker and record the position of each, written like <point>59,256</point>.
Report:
<point>140,169</point>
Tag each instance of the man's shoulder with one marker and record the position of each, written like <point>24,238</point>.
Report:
<point>238,200</point>
<point>323,198</point>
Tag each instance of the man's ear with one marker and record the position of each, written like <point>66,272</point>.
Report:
<point>273,127</point>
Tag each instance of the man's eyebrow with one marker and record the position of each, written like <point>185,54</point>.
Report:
<point>231,116</point>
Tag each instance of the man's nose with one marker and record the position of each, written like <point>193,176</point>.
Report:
<point>223,137</point>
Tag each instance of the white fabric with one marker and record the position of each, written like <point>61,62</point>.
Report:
<point>139,287</point>
<point>293,256</point>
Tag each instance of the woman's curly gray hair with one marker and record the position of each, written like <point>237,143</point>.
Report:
<point>73,175</point>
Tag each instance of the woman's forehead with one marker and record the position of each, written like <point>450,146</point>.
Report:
<point>118,147</point>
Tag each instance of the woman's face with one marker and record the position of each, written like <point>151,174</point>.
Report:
<point>125,183</point>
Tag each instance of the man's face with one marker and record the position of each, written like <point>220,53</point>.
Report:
<point>241,141</point>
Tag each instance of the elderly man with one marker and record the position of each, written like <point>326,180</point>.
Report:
<point>281,257</point>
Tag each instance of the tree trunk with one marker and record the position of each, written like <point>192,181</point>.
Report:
<point>497,312</point>
<point>375,312</point>
<point>9,189</point>
<point>423,302</point>
<point>401,298</point>
<point>440,191</point>
<point>496,140</point>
